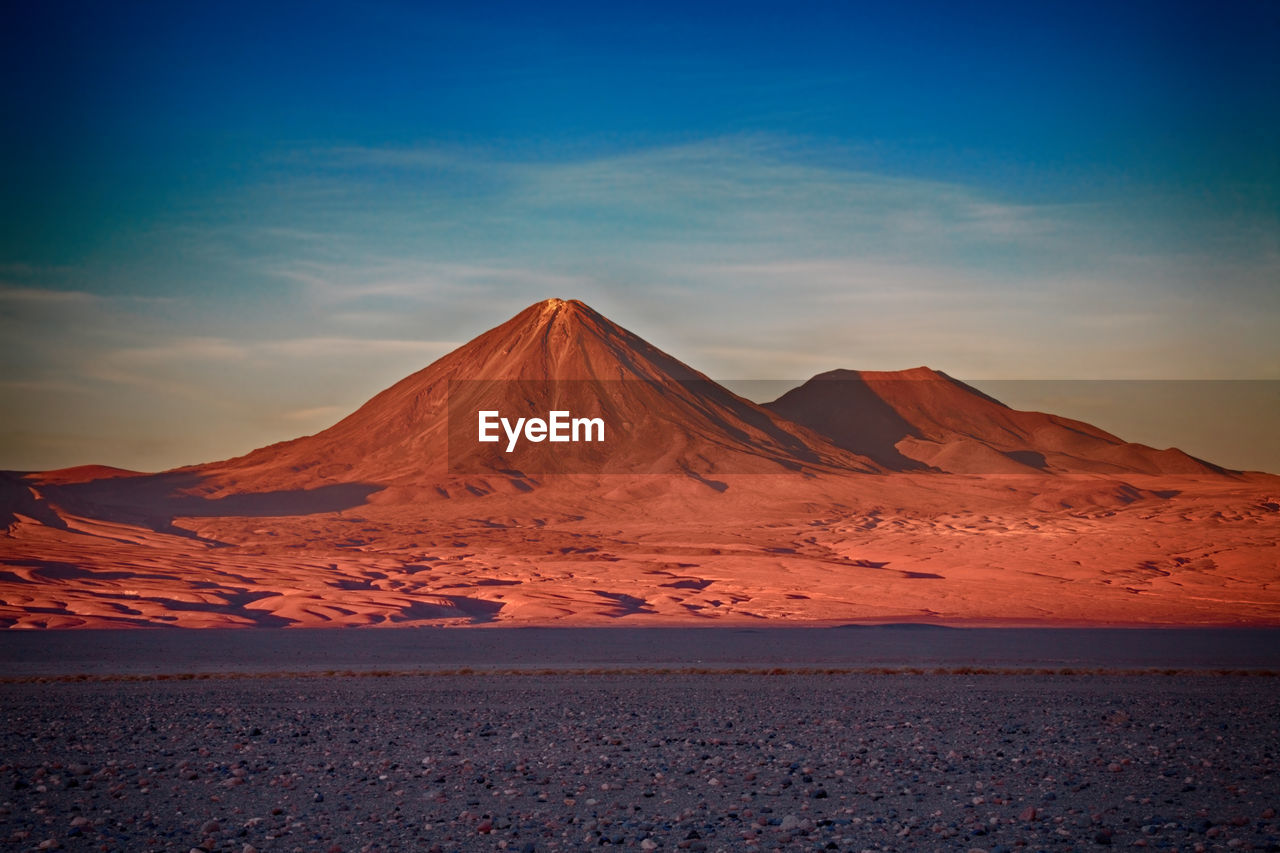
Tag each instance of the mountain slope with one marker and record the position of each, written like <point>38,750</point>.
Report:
<point>417,440</point>
<point>662,416</point>
<point>920,419</point>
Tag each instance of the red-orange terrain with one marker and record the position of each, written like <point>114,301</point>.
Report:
<point>859,496</point>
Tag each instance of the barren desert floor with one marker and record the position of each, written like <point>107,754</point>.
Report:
<point>719,762</point>
<point>316,652</point>
<point>887,738</point>
<point>952,550</point>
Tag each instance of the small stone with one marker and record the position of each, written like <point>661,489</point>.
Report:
<point>1027,814</point>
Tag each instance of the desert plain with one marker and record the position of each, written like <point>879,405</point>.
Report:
<point>857,738</point>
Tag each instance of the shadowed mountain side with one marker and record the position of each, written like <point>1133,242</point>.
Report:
<point>689,427</point>
<point>154,500</point>
<point>18,498</point>
<point>922,418</point>
<point>855,419</point>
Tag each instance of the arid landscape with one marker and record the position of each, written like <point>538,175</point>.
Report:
<point>903,477</point>
<point>858,497</point>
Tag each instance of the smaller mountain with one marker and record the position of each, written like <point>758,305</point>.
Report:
<point>923,419</point>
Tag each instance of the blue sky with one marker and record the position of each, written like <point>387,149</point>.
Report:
<point>228,224</point>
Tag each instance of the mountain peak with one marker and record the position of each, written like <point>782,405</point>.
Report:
<point>914,373</point>
<point>552,307</point>
<point>556,325</point>
<point>550,310</point>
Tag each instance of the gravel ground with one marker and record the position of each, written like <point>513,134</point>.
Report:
<point>709,762</point>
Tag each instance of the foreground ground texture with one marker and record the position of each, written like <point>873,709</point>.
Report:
<point>700,762</point>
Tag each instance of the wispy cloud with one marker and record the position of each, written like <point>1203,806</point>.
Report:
<point>182,349</point>
<point>43,386</point>
<point>53,295</point>
<point>312,413</point>
<point>413,279</point>
<point>163,366</point>
<point>307,348</point>
<point>45,295</point>
<point>766,185</point>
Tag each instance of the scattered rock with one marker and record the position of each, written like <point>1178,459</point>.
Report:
<point>623,762</point>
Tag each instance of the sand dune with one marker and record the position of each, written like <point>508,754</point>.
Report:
<point>858,497</point>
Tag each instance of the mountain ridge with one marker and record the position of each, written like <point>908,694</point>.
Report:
<point>917,420</point>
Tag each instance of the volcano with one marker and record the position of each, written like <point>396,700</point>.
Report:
<point>858,496</point>
<point>415,442</point>
<point>665,416</point>
<point>923,419</point>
